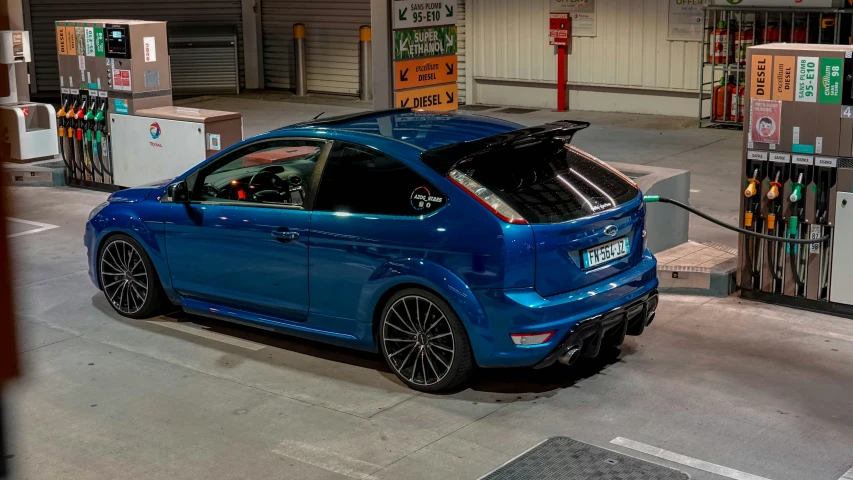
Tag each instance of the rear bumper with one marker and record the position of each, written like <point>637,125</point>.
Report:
<point>631,319</point>
<point>572,316</point>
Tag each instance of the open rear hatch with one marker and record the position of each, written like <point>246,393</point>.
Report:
<point>587,218</point>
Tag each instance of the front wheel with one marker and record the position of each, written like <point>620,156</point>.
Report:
<point>128,278</point>
<point>424,342</point>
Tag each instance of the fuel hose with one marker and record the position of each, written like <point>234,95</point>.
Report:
<point>797,241</point>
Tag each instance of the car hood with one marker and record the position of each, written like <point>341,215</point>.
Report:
<point>137,194</point>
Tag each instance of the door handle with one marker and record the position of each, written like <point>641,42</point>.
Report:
<point>285,236</point>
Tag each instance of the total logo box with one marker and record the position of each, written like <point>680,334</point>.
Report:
<point>164,142</point>
<point>800,99</point>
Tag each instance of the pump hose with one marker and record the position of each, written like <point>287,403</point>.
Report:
<point>797,241</point>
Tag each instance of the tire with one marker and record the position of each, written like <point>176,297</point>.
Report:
<point>423,342</point>
<point>129,280</point>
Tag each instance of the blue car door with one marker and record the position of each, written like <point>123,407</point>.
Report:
<point>370,210</point>
<point>242,241</point>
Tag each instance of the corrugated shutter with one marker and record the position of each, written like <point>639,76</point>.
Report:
<point>462,48</point>
<point>331,42</point>
<point>204,61</point>
<point>44,13</point>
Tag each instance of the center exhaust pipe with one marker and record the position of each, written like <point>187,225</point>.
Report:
<point>572,354</point>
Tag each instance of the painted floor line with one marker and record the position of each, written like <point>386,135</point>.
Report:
<point>218,337</point>
<point>848,475</point>
<point>326,459</point>
<point>41,227</point>
<point>685,460</point>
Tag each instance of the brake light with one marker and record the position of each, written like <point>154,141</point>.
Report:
<point>531,338</point>
<point>486,197</point>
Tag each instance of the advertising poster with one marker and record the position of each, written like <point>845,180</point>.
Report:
<point>765,121</point>
<point>685,20</point>
<point>582,13</point>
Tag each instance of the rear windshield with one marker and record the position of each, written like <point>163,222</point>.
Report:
<point>549,182</point>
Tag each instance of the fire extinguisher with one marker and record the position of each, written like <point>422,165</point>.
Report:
<point>722,99</point>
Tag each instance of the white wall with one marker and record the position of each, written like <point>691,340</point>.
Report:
<point>508,46</point>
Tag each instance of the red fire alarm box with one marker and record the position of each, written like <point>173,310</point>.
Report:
<point>561,27</point>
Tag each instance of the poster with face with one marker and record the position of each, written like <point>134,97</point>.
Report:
<point>765,121</point>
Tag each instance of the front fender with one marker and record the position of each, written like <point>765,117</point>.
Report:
<point>121,218</point>
<point>413,271</point>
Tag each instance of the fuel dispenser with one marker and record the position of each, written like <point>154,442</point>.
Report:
<point>797,172</point>
<point>106,67</point>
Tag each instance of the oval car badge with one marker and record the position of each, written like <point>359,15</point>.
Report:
<point>611,230</point>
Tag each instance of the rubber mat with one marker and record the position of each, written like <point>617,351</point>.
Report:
<point>561,458</point>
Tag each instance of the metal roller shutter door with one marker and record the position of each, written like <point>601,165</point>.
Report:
<point>331,42</point>
<point>44,13</point>
<point>462,48</point>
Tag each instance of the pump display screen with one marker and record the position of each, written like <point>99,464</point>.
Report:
<point>117,42</point>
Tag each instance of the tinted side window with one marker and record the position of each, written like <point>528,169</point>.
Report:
<point>359,180</point>
<point>274,172</point>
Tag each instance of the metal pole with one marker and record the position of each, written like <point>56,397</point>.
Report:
<point>299,57</point>
<point>365,64</point>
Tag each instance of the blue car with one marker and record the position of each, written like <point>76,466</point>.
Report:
<point>443,241</point>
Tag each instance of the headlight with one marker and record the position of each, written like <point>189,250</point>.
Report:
<point>97,210</point>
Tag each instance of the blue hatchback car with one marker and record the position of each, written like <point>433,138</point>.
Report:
<point>443,241</point>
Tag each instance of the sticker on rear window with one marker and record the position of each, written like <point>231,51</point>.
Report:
<point>422,199</point>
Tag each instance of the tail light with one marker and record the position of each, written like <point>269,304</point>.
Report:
<point>486,197</point>
<point>531,338</point>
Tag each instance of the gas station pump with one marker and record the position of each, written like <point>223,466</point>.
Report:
<point>755,173</point>
<point>779,169</point>
<point>796,187</point>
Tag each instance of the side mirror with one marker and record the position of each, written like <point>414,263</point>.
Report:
<point>178,192</point>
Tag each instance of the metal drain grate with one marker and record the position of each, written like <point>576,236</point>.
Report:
<point>515,110</point>
<point>561,458</point>
<point>475,108</point>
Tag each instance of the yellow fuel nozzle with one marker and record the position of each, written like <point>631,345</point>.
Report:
<point>773,193</point>
<point>752,189</point>
<point>771,221</point>
<point>747,219</point>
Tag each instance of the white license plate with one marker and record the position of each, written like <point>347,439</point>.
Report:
<point>606,252</point>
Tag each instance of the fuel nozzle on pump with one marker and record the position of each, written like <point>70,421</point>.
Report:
<point>752,189</point>
<point>79,148</point>
<point>60,130</point>
<point>70,150</point>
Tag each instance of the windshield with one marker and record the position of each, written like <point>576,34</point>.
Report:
<point>549,181</point>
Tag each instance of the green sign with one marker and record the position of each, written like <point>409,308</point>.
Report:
<point>99,42</point>
<point>829,80</point>
<point>424,42</point>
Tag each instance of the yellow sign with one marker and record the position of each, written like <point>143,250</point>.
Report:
<point>784,69</point>
<point>70,40</point>
<point>441,97</point>
<point>60,40</point>
<point>762,77</point>
<point>422,72</point>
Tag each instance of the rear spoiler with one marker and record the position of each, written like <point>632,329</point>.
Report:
<point>444,159</point>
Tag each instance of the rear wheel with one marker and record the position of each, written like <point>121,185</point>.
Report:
<point>128,278</point>
<point>424,342</point>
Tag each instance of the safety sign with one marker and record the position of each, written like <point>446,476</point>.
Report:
<point>424,42</point>
<point>422,72</point>
<point>440,97</point>
<point>420,13</point>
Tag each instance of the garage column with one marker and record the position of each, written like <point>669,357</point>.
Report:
<point>12,18</point>
<point>380,20</point>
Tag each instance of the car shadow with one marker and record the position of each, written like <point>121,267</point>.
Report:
<point>502,382</point>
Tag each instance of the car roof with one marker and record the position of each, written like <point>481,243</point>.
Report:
<point>425,130</point>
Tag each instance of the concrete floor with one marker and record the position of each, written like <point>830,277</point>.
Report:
<point>764,390</point>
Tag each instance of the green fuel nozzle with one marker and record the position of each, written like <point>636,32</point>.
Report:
<point>651,198</point>
<point>797,192</point>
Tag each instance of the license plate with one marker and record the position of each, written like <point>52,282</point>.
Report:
<point>606,252</point>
